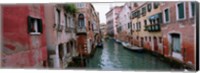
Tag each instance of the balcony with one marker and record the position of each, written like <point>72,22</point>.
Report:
<point>153,28</point>
<point>58,27</point>
<point>81,30</point>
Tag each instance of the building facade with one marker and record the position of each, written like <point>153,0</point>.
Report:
<point>87,28</point>
<point>124,20</point>
<point>111,20</point>
<point>178,31</point>
<point>61,39</point>
<point>103,28</point>
<point>24,43</point>
<point>146,26</point>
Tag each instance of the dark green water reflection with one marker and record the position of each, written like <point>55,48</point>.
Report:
<point>114,57</point>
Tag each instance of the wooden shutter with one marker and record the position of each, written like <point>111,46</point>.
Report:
<point>181,10</point>
<point>29,24</point>
<point>40,25</point>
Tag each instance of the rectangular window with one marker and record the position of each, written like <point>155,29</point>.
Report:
<point>156,4</point>
<point>58,16</point>
<point>192,9</point>
<point>149,39</point>
<point>34,25</point>
<point>66,21</point>
<point>145,22</point>
<point>166,12</point>
<point>181,11</point>
<point>139,25</point>
<point>143,10</point>
<point>160,39</point>
<point>145,38</point>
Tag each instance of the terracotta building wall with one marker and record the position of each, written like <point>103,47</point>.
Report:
<point>20,49</point>
<point>185,28</point>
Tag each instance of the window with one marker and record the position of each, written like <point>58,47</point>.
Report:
<point>149,39</point>
<point>150,21</point>
<point>139,23</point>
<point>180,11</point>
<point>160,39</point>
<point>145,38</point>
<point>166,15</point>
<point>133,26</point>
<point>81,21</point>
<point>58,16</point>
<point>143,10</point>
<point>192,9</point>
<point>137,37</point>
<point>80,5</point>
<point>149,6</point>
<point>156,4</point>
<point>145,22</point>
<point>66,21</point>
<point>34,25</point>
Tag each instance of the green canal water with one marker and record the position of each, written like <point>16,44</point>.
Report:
<point>114,57</point>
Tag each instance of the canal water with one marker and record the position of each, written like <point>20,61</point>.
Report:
<point>114,57</point>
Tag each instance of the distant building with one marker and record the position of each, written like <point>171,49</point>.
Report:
<point>111,20</point>
<point>125,23</point>
<point>103,28</point>
<point>23,36</point>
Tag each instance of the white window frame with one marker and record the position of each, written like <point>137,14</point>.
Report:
<point>36,28</point>
<point>177,15</point>
<point>190,10</point>
<point>165,15</point>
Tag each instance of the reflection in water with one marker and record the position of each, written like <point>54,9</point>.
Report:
<point>114,57</point>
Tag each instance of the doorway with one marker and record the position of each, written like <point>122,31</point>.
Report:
<point>176,46</point>
<point>61,54</point>
<point>142,42</point>
<point>155,44</point>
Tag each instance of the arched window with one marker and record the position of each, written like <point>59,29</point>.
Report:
<point>81,21</point>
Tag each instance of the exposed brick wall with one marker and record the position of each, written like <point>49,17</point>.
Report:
<point>183,27</point>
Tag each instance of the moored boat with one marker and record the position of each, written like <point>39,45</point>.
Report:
<point>130,47</point>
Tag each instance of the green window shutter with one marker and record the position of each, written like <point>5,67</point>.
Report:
<point>181,10</point>
<point>29,23</point>
<point>39,25</point>
<point>193,8</point>
<point>167,15</point>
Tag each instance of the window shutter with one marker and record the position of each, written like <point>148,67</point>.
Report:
<point>181,10</point>
<point>193,7</point>
<point>29,24</point>
<point>39,25</point>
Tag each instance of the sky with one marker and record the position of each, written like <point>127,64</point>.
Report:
<point>103,8</point>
